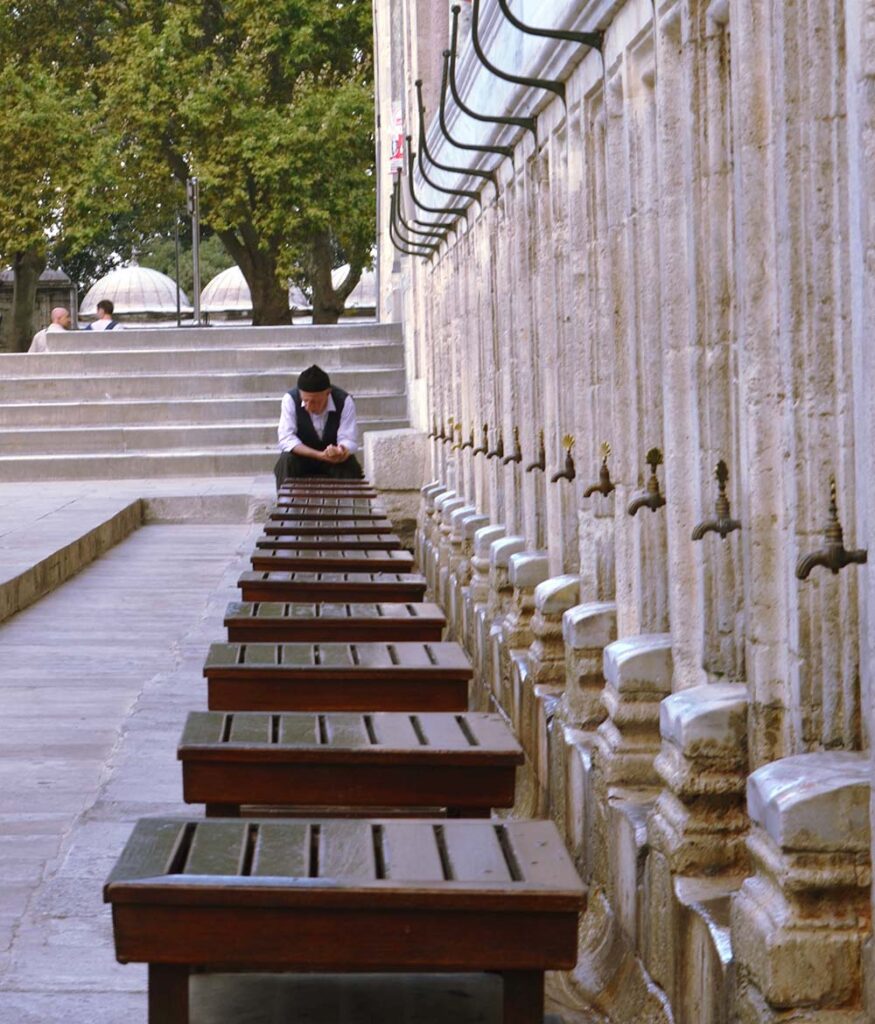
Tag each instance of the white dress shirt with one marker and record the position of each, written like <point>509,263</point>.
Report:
<point>287,432</point>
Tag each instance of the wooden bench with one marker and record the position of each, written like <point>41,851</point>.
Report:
<point>337,677</point>
<point>327,515</point>
<point>356,493</point>
<point>465,763</point>
<point>278,622</point>
<point>296,502</point>
<point>329,542</point>
<point>332,528</point>
<point>332,561</point>
<point>345,896</point>
<point>332,586</point>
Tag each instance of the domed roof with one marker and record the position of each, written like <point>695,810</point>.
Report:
<point>135,289</point>
<point>228,292</point>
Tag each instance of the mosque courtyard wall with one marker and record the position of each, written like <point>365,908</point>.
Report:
<point>672,270</point>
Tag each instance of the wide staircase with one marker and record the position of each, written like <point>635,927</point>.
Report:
<point>181,402</point>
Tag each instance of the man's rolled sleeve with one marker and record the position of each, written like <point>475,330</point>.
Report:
<point>347,429</point>
<point>287,431</point>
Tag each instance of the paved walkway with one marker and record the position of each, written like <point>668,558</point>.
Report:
<point>95,683</point>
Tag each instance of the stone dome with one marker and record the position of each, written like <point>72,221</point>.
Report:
<point>228,292</point>
<point>135,290</point>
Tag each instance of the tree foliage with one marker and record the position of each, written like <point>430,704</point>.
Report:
<point>268,102</point>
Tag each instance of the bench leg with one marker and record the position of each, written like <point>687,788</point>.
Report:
<point>222,810</point>
<point>168,994</point>
<point>523,997</point>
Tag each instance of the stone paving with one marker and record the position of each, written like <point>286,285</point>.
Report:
<point>95,683</point>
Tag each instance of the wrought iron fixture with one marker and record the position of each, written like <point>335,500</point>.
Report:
<point>484,447</point>
<point>403,248</point>
<point>517,450</point>
<point>528,123</point>
<point>442,120</point>
<point>605,485</point>
<point>833,556</point>
<point>592,39</point>
<point>557,88</point>
<point>441,235</point>
<point>424,150</point>
<point>411,242</point>
<point>722,523</point>
<point>542,455</point>
<point>466,193</point>
<point>569,473</point>
<point>651,497</point>
<point>455,211</point>
<point>498,451</point>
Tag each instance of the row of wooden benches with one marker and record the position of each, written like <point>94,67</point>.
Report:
<point>334,697</point>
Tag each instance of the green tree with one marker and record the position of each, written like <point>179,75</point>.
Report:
<point>270,104</point>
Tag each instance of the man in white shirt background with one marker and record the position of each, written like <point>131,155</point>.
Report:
<point>60,322</point>
<point>317,431</point>
<point>104,321</point>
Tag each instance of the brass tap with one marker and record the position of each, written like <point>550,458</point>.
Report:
<point>470,442</point>
<point>569,472</point>
<point>484,447</point>
<point>542,455</point>
<point>447,435</point>
<point>650,497</point>
<point>457,429</point>
<point>498,451</point>
<point>605,484</point>
<point>517,450</point>
<point>722,522</point>
<point>833,556</point>
<point>434,430</point>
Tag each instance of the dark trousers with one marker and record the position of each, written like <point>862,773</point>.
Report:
<point>290,465</point>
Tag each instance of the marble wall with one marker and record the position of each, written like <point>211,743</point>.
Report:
<point>676,262</point>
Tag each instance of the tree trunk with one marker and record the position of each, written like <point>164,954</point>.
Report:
<point>26,267</point>
<point>270,300</point>
<point>328,304</point>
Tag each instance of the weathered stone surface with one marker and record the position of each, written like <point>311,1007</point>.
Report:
<point>396,460</point>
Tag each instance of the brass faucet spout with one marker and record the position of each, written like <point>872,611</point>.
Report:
<point>833,555</point>
<point>569,473</point>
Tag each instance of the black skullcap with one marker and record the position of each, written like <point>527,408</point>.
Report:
<point>314,378</point>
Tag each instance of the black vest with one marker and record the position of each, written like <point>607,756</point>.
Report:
<point>307,432</point>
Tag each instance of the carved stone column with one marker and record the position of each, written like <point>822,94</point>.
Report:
<point>800,921</point>
<point>638,673</point>
<point>464,526</point>
<point>445,507</point>
<point>696,832</point>
<point>477,620</point>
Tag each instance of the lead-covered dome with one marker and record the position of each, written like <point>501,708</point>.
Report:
<point>228,292</point>
<point>135,290</point>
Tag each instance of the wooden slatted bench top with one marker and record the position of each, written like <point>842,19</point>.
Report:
<point>319,622</point>
<point>327,515</point>
<point>331,528</point>
<point>321,501</point>
<point>346,895</point>
<point>464,762</point>
<point>329,542</point>
<point>402,676</point>
<point>362,561</point>
<point>355,493</point>
<point>332,586</point>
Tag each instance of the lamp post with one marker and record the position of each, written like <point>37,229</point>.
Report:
<point>193,193</point>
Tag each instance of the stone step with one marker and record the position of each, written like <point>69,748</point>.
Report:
<point>238,460</point>
<point>294,338</point>
<point>201,360</point>
<point>140,438</point>
<point>249,408</point>
<point>180,385</point>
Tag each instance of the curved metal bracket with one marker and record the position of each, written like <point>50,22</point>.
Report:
<point>456,211</point>
<point>557,88</point>
<point>465,192</point>
<point>442,120</point>
<point>424,150</point>
<point>393,211</point>
<point>396,198</point>
<point>593,39</point>
<point>528,123</point>
<point>406,251</point>
<point>441,225</point>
